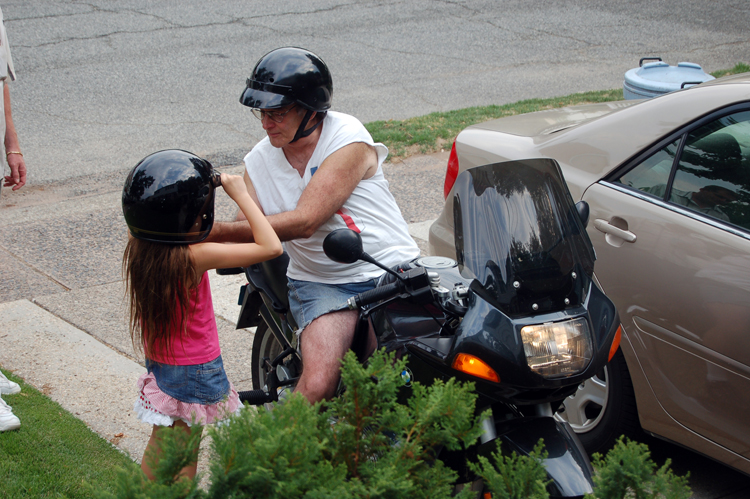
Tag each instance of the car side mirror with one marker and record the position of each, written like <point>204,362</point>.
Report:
<point>343,246</point>
<point>582,207</point>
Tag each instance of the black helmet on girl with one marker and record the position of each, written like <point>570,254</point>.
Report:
<point>169,198</point>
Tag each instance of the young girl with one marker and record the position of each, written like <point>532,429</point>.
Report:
<point>168,204</point>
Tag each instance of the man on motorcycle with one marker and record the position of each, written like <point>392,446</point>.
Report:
<point>316,171</point>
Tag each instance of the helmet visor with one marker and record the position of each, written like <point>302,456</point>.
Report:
<point>266,95</point>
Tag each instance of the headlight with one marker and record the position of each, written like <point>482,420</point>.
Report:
<point>557,349</point>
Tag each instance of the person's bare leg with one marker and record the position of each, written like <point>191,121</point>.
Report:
<point>324,342</point>
<point>152,452</point>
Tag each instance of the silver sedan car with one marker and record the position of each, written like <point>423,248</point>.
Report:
<point>667,181</point>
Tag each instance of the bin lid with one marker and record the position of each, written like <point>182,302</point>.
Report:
<point>661,77</point>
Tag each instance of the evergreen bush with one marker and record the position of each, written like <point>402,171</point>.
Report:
<point>628,471</point>
<point>365,444</point>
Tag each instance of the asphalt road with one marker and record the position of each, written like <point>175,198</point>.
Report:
<point>101,84</point>
<point>104,83</point>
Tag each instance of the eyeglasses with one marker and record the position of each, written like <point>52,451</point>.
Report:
<point>276,117</point>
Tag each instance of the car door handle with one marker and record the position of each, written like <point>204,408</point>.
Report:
<point>608,228</point>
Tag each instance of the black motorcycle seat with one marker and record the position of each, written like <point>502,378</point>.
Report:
<point>269,277</point>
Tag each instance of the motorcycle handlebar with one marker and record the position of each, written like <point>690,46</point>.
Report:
<point>374,295</point>
<point>256,397</point>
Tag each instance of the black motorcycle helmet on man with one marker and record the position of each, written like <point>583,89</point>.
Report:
<point>290,75</point>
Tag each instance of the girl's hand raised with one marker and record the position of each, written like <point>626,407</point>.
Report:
<point>233,185</point>
<point>211,255</point>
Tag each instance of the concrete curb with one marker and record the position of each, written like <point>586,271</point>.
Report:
<point>87,378</point>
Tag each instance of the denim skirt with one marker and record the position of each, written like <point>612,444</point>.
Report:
<point>205,384</point>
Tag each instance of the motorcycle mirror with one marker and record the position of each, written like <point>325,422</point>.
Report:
<point>582,207</point>
<point>343,246</point>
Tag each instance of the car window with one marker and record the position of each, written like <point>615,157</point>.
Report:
<point>712,172</point>
<point>652,172</point>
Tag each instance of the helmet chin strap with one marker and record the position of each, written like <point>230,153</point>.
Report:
<point>301,132</point>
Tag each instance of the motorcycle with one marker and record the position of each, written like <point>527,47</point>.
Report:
<point>518,313</point>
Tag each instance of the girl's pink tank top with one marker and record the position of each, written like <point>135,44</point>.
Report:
<point>200,344</point>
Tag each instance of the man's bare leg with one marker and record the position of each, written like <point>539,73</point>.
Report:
<point>324,343</point>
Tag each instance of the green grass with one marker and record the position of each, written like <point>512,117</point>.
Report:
<point>436,131</point>
<point>53,454</point>
<point>739,68</point>
<point>430,133</point>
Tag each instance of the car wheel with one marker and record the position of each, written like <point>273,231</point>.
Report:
<point>603,408</point>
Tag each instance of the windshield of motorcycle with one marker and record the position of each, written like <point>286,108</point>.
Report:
<point>519,236</point>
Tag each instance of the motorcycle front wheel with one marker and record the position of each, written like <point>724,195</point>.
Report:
<point>265,345</point>
<point>603,408</point>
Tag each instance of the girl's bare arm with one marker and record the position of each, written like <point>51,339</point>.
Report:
<point>238,231</point>
<point>266,246</point>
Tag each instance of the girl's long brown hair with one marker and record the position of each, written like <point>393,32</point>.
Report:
<point>158,278</point>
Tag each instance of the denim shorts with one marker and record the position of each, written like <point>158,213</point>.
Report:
<point>309,300</point>
<point>205,384</point>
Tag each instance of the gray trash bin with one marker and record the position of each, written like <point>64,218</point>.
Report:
<point>657,78</point>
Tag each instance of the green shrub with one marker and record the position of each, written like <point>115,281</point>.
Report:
<point>628,471</point>
<point>365,444</point>
<point>515,477</point>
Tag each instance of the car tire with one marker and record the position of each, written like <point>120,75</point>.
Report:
<point>603,408</point>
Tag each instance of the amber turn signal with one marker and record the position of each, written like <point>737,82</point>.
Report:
<point>475,366</point>
<point>615,343</point>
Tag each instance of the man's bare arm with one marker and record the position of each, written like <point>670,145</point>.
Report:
<point>327,191</point>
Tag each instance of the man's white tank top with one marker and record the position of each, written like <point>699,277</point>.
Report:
<point>371,210</point>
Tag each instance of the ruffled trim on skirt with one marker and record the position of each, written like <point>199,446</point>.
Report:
<point>157,408</point>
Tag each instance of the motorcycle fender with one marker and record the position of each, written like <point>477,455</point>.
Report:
<point>567,464</point>
<point>250,310</point>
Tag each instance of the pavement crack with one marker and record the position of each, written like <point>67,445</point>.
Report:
<point>83,328</point>
<point>33,268</point>
<point>171,25</point>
